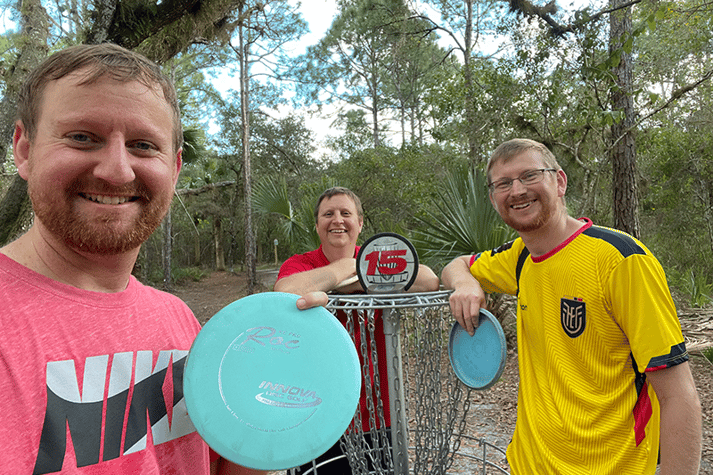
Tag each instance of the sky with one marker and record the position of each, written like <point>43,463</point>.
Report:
<point>319,15</point>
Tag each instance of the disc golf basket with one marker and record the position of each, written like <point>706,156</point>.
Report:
<point>428,405</point>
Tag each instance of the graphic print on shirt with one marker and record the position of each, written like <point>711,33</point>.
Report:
<point>156,393</point>
<point>573,315</point>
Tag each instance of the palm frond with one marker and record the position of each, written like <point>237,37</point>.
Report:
<point>270,197</point>
<point>464,222</point>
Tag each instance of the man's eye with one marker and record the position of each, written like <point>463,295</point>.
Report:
<point>143,146</point>
<point>80,137</point>
<point>529,175</point>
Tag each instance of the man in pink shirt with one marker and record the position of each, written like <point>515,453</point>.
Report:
<point>92,359</point>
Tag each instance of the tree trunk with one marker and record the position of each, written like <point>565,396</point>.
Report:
<point>247,171</point>
<point>469,86</point>
<point>15,207</point>
<point>103,15</point>
<point>33,41</point>
<point>623,149</point>
<point>167,250</point>
<point>708,214</point>
<point>402,112</point>
<point>375,111</point>
<point>218,240</point>
<point>197,250</point>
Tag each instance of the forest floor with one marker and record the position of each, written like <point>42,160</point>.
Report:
<point>492,414</point>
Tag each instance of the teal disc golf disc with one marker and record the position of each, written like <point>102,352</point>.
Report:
<point>478,360</point>
<point>271,387</point>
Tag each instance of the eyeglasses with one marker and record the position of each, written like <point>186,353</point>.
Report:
<point>529,177</point>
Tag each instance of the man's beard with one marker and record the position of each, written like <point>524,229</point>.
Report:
<point>99,235</point>
<point>542,217</point>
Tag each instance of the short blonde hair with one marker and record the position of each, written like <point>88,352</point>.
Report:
<point>103,60</point>
<point>338,190</point>
<point>514,147</point>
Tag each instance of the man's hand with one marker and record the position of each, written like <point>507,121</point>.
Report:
<point>468,297</point>
<point>312,299</point>
<point>466,302</point>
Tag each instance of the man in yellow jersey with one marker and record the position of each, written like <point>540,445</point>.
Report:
<point>604,376</point>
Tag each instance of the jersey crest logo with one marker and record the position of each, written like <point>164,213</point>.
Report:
<point>573,315</point>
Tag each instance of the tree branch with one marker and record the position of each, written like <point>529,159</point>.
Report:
<point>529,9</point>
<point>675,95</point>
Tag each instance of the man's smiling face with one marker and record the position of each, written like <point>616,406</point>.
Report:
<point>102,167</point>
<point>338,223</point>
<point>526,208</point>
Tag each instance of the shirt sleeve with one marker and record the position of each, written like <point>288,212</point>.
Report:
<point>496,270</point>
<point>293,265</point>
<point>642,305</point>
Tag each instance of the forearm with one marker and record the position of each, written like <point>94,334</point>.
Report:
<point>681,436</point>
<point>457,274</point>
<point>680,419</point>
<point>468,297</point>
<point>322,279</point>
<point>426,280</point>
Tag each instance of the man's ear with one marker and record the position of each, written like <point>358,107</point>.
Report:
<point>179,164</point>
<point>561,183</point>
<point>21,149</point>
<point>492,201</point>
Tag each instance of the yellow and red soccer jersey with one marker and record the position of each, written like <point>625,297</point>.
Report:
<point>593,316</point>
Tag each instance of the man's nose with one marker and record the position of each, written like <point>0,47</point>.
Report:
<point>114,163</point>
<point>517,187</point>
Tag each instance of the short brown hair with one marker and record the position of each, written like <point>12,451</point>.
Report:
<point>103,60</point>
<point>338,190</point>
<point>514,147</point>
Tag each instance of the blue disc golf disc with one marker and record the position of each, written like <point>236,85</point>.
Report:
<point>478,360</point>
<point>271,387</point>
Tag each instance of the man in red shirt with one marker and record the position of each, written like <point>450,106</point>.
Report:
<point>339,220</point>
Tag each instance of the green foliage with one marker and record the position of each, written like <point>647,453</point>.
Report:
<point>700,288</point>
<point>708,353</point>
<point>270,197</point>
<point>186,274</point>
<point>383,59</point>
<point>464,221</point>
<point>179,274</point>
<point>697,286</point>
<point>395,185</point>
<point>193,145</point>
<point>496,103</point>
<point>677,190</point>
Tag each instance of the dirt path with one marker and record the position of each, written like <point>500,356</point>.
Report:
<point>492,414</point>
